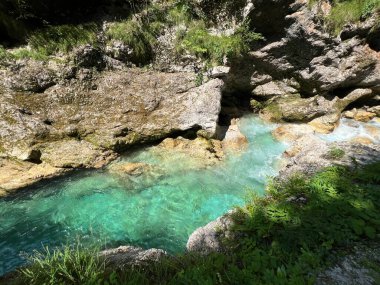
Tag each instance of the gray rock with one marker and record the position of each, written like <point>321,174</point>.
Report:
<point>29,75</point>
<point>209,238</point>
<point>129,255</point>
<point>354,269</point>
<point>273,89</point>
<point>89,56</point>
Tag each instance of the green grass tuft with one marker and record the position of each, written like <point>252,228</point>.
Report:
<point>64,38</point>
<point>70,265</point>
<point>350,11</point>
<point>335,153</point>
<point>137,36</point>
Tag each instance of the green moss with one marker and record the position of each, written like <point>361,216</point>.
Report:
<point>24,53</point>
<point>335,153</point>
<point>255,105</point>
<point>273,111</point>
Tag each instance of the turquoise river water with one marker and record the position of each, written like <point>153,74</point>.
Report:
<point>157,210</point>
<point>98,207</point>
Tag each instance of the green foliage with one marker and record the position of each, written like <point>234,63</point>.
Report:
<point>64,38</point>
<point>140,37</point>
<point>335,153</point>
<point>350,11</point>
<point>215,48</point>
<point>4,54</point>
<point>70,265</point>
<point>284,238</point>
<point>199,79</point>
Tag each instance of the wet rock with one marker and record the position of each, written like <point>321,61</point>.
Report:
<point>70,154</point>
<point>129,255</point>
<point>233,140</point>
<point>364,116</point>
<point>362,140</point>
<point>89,125</point>
<point>325,124</point>
<point>200,152</point>
<point>323,114</point>
<point>292,132</point>
<point>17,174</point>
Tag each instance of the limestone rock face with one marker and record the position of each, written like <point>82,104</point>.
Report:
<point>322,113</point>
<point>83,123</point>
<point>129,255</point>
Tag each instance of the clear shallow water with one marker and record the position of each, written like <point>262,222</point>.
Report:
<point>349,129</point>
<point>159,210</point>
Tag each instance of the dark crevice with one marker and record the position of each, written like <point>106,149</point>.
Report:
<point>122,147</point>
<point>35,156</point>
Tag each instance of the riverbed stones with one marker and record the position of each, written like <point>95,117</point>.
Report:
<point>130,168</point>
